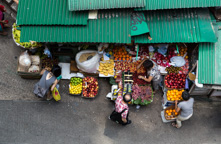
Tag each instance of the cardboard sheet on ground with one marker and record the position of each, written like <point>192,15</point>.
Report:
<point>65,71</point>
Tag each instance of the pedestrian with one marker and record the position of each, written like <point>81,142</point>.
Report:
<point>185,108</point>
<point>48,82</point>
<point>153,74</point>
<point>121,112</point>
<point>3,23</point>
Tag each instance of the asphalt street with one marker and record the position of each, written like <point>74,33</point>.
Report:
<point>25,119</point>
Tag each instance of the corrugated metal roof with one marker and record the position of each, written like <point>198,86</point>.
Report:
<point>110,27</point>
<point>209,66</point>
<point>48,12</point>
<point>174,4</point>
<point>76,5</point>
<point>183,25</point>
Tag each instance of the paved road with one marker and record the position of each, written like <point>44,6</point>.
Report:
<point>85,122</point>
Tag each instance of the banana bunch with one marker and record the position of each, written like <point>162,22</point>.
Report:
<point>106,67</point>
<point>17,35</point>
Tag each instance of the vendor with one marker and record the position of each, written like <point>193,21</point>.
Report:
<point>185,108</point>
<point>3,23</point>
<point>48,82</point>
<point>153,74</point>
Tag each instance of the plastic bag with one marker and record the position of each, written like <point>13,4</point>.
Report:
<point>56,94</point>
<point>25,61</point>
<point>177,61</point>
<point>89,66</point>
<point>35,60</point>
<point>34,69</point>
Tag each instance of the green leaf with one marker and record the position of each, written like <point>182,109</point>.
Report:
<point>137,101</point>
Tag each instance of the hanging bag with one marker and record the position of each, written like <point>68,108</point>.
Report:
<point>56,94</point>
<point>115,116</point>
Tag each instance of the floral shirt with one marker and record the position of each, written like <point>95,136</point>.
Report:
<point>119,107</point>
<point>155,73</point>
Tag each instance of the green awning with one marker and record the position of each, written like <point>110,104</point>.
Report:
<point>110,27</point>
<point>176,26</point>
<point>48,12</point>
<point>77,5</point>
<point>175,4</point>
<point>209,65</point>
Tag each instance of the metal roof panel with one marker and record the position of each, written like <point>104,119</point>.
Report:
<point>110,27</point>
<point>209,66</point>
<point>175,4</point>
<point>76,5</point>
<point>174,26</point>
<point>48,12</point>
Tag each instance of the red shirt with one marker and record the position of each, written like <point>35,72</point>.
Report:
<point>119,107</point>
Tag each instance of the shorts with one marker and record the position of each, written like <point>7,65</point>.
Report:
<point>156,84</point>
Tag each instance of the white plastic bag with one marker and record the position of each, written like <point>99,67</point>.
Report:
<point>24,61</point>
<point>34,69</point>
<point>35,60</point>
<point>89,66</point>
<point>177,61</point>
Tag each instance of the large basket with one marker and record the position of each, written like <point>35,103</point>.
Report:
<point>91,97</point>
<point>29,75</point>
<point>169,108</point>
<point>76,94</point>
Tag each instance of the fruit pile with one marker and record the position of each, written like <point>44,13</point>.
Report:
<point>170,113</point>
<point>48,62</point>
<point>141,69</point>
<point>173,69</point>
<point>132,67</point>
<point>175,81</point>
<point>122,65</point>
<point>173,95</point>
<point>17,34</point>
<point>160,59</point>
<point>75,86</point>
<point>121,54</point>
<point>90,87</point>
<point>76,81</point>
<point>141,94</point>
<point>185,68</point>
<point>106,67</point>
<point>182,52</point>
<point>139,81</point>
<point>171,52</point>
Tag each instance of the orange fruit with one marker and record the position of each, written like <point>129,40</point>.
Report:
<point>174,110</point>
<point>171,110</point>
<point>169,114</point>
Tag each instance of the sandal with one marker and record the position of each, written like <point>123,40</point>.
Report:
<point>49,98</point>
<point>174,125</point>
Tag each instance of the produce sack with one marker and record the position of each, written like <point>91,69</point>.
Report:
<point>24,61</point>
<point>56,94</point>
<point>177,61</point>
<point>91,64</point>
<point>35,60</point>
<point>34,69</point>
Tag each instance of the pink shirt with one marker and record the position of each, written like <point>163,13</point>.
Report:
<point>119,107</point>
<point>1,15</point>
